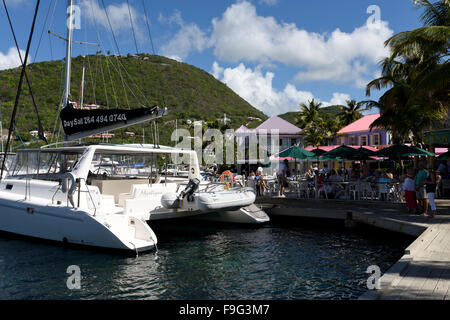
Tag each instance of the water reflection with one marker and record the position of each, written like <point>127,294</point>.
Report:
<point>277,261</point>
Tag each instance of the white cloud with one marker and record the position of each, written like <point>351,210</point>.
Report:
<point>217,70</point>
<point>11,59</point>
<point>241,35</point>
<point>337,99</point>
<point>119,17</point>
<point>256,87</point>
<point>189,38</point>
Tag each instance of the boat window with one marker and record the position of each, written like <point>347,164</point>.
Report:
<point>42,165</point>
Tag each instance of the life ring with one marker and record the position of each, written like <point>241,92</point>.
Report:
<point>227,179</point>
<point>68,183</point>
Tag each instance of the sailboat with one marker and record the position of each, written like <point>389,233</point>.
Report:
<point>64,193</point>
<point>45,194</point>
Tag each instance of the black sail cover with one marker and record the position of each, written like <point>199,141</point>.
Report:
<point>91,121</point>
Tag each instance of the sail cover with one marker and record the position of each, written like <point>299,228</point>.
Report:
<point>81,123</point>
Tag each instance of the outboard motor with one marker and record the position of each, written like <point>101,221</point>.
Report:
<point>173,201</point>
<point>190,189</point>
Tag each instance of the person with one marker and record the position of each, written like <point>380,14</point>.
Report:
<point>430,187</point>
<point>324,169</point>
<point>410,191</point>
<point>389,174</point>
<point>260,184</point>
<point>421,194</point>
<point>310,176</point>
<point>281,176</point>
<point>251,176</point>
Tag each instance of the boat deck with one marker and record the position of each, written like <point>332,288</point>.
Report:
<point>424,270</point>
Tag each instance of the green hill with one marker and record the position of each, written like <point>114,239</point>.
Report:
<point>291,116</point>
<point>126,82</point>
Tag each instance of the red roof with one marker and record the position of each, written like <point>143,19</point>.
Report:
<point>362,124</point>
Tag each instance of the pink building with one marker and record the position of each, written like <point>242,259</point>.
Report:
<point>358,133</point>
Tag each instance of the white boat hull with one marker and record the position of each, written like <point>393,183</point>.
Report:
<point>39,218</point>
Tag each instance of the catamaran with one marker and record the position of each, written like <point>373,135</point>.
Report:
<point>42,195</point>
<point>102,195</point>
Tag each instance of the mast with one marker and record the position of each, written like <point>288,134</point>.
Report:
<point>68,53</point>
<point>82,90</point>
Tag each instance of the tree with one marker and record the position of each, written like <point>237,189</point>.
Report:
<point>309,113</point>
<point>331,125</point>
<point>415,76</point>
<point>351,112</point>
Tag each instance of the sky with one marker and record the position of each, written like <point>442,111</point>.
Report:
<point>276,54</point>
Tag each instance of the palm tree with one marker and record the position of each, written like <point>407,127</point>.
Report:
<point>351,112</point>
<point>416,76</point>
<point>314,134</point>
<point>429,41</point>
<point>331,125</point>
<point>309,113</point>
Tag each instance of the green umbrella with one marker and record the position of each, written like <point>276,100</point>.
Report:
<point>319,155</point>
<point>350,153</point>
<point>400,150</point>
<point>297,153</point>
<point>444,156</point>
<point>318,152</point>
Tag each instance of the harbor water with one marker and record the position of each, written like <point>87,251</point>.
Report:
<point>281,260</point>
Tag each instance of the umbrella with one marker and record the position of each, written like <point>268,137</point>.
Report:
<point>297,153</point>
<point>400,150</point>
<point>318,152</point>
<point>444,156</point>
<point>350,153</point>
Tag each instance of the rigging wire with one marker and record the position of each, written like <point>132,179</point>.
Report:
<point>110,26</point>
<point>40,129</point>
<point>42,31</point>
<point>112,82</point>
<point>99,62</point>
<point>19,88</point>
<point>132,27</point>
<point>49,27</point>
<point>148,27</point>
<point>88,60</point>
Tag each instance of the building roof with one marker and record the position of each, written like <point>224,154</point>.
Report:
<point>243,129</point>
<point>362,124</point>
<point>275,122</point>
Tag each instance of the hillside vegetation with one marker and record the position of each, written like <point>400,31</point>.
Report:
<point>125,82</point>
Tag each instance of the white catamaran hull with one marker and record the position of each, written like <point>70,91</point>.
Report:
<point>39,218</point>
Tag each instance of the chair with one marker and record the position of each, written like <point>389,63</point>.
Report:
<point>383,191</point>
<point>303,188</point>
<point>353,190</point>
<point>366,189</point>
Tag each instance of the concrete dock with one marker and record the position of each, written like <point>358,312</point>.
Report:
<point>424,270</point>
